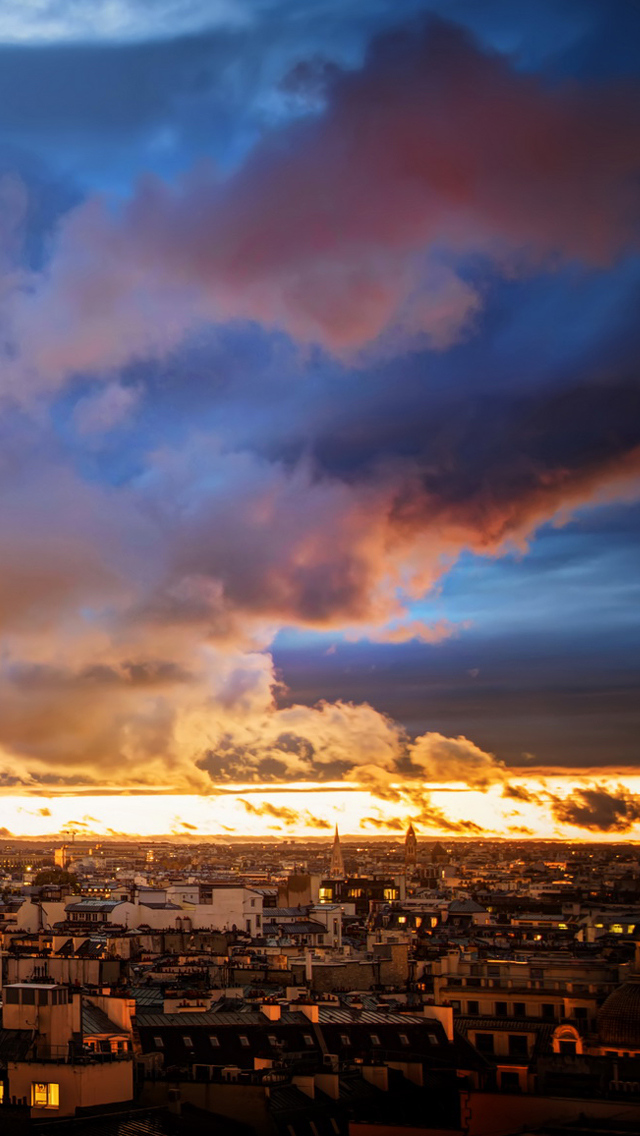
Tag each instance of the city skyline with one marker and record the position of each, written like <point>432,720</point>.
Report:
<point>320,418</point>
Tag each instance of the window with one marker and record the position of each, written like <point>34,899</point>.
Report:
<point>473,1008</point>
<point>345,1039</point>
<point>158,1042</point>
<point>548,1010</point>
<point>45,1095</point>
<point>213,1040</point>
<point>28,996</point>
<point>519,1010</point>
<point>484,1042</point>
<point>568,1048</point>
<point>244,1040</point>
<point>272,1039</point>
<point>11,995</point>
<point>518,1046</point>
<point>404,1040</point>
<point>501,1010</point>
<point>537,972</point>
<point>187,1040</point>
<point>433,1039</point>
<point>307,1038</point>
<point>375,1040</point>
<point>493,971</point>
<point>580,1012</point>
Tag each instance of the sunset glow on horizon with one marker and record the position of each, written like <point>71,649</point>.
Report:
<point>320,420</point>
<point>244,811</point>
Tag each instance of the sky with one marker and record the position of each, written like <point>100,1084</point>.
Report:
<point>320,417</point>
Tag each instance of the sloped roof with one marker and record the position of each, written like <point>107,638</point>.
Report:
<point>15,1044</point>
<point>95,1021</point>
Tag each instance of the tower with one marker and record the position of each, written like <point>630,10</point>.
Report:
<point>336,870</point>
<point>410,848</point>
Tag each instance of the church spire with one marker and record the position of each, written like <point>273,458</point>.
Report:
<point>337,863</point>
<point>410,848</point>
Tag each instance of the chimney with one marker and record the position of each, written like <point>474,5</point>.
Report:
<point>377,1075</point>
<point>305,1084</point>
<point>308,965</point>
<point>310,1011</point>
<point>271,1010</point>
<point>328,1083</point>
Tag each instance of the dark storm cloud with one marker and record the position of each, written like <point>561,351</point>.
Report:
<point>598,809</point>
<point>333,227</point>
<point>146,562</point>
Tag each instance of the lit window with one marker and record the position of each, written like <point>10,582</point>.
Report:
<point>402,919</point>
<point>404,1040</point>
<point>375,1040</point>
<point>159,1043</point>
<point>45,1095</point>
<point>244,1040</point>
<point>187,1040</point>
<point>213,1040</point>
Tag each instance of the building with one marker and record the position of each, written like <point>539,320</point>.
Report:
<point>62,1051</point>
<point>410,848</point>
<point>336,868</point>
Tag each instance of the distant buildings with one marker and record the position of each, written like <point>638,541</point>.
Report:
<point>469,988</point>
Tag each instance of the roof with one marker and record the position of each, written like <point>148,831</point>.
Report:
<point>619,1016</point>
<point>300,927</point>
<point>161,906</point>
<point>465,907</point>
<point>543,1030</point>
<point>93,905</point>
<point>15,1044</point>
<point>376,1017</point>
<point>288,912</point>
<point>147,995</point>
<point>95,1021</point>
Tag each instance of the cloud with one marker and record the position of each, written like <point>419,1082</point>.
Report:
<point>455,759</point>
<point>598,809</point>
<point>337,228</point>
<point>108,408</point>
<point>290,818</point>
<point>521,793</point>
<point>50,21</point>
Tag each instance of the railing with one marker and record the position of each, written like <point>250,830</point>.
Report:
<point>64,1055</point>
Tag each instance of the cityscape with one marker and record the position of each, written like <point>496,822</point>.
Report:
<point>344,986</point>
<point>319,567</point>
